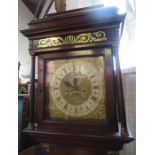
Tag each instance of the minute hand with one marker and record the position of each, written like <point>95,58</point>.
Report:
<point>74,77</point>
<point>75,83</point>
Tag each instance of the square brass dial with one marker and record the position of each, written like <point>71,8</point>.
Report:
<point>76,88</point>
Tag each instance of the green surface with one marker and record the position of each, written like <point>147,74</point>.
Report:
<point>20,112</point>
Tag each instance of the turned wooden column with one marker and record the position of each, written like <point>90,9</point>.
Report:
<point>32,93</point>
<point>120,97</point>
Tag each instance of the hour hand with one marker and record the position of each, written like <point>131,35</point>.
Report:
<point>68,83</point>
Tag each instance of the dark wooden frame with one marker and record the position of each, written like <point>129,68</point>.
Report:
<point>108,125</point>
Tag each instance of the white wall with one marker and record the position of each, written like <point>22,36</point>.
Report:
<point>24,17</point>
<point>74,4</point>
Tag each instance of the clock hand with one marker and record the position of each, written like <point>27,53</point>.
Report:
<point>76,83</point>
<point>74,78</point>
<point>79,82</point>
<point>69,84</point>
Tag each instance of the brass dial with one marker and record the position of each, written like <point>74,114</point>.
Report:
<point>76,88</point>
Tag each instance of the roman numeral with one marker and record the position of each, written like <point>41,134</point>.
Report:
<point>58,78</point>
<point>87,108</point>
<point>94,98</point>
<point>65,106</point>
<point>96,87</point>
<point>58,98</point>
<point>56,88</point>
<point>75,109</point>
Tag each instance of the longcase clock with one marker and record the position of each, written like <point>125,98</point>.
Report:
<point>78,107</point>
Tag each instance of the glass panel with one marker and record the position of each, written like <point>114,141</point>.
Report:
<point>75,89</point>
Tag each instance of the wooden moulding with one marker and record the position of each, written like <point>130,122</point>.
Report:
<point>74,19</point>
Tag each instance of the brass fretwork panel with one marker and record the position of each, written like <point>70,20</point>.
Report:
<point>72,39</point>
